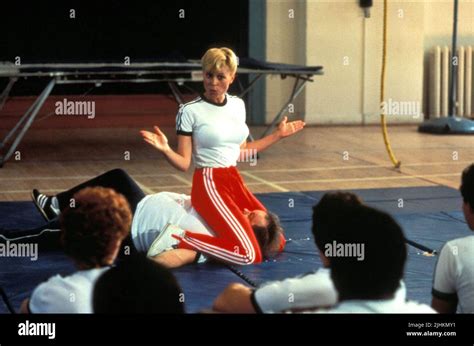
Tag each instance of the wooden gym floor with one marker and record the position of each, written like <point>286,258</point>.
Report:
<point>318,158</point>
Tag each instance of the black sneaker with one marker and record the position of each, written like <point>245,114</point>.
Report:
<point>44,205</point>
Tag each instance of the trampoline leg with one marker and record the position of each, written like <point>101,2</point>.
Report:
<point>176,93</point>
<point>29,117</point>
<point>250,86</point>
<point>6,92</point>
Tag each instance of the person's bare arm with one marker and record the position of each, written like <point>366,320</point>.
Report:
<point>181,158</point>
<point>175,258</point>
<point>444,306</point>
<point>24,306</point>
<point>235,298</point>
<point>285,129</point>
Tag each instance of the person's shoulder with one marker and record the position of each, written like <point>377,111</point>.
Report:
<point>461,241</point>
<point>90,274</point>
<point>52,282</point>
<point>236,104</point>
<point>77,278</point>
<point>191,104</point>
<point>320,276</point>
<point>234,99</point>
<point>56,286</point>
<point>417,308</point>
<point>376,306</point>
<point>456,246</point>
<point>55,294</point>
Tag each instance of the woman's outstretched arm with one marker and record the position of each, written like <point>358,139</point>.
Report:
<point>180,159</point>
<point>284,129</point>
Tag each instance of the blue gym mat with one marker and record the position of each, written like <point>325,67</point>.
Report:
<point>430,216</point>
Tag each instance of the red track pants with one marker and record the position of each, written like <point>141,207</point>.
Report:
<point>219,195</point>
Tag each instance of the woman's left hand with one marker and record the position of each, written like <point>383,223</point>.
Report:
<point>286,128</point>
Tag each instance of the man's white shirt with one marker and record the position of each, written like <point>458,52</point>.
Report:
<point>454,273</point>
<point>390,306</point>
<point>66,294</point>
<point>155,211</point>
<point>310,291</point>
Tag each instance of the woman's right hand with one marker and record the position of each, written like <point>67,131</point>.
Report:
<point>157,139</point>
<point>180,159</point>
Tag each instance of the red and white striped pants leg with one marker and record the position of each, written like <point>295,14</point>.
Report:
<point>214,198</point>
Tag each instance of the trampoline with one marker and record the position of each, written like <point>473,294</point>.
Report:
<point>174,73</point>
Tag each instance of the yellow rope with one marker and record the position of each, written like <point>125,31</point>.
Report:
<point>386,140</point>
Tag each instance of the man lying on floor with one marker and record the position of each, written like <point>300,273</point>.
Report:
<point>156,218</point>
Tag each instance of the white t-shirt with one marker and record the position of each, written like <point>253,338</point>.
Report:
<point>454,273</point>
<point>155,211</point>
<point>69,294</point>
<point>217,130</point>
<point>394,306</point>
<point>313,290</point>
<point>306,291</point>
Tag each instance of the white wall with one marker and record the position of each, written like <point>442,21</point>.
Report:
<point>438,24</point>
<point>334,40</point>
<point>335,34</point>
<point>286,43</point>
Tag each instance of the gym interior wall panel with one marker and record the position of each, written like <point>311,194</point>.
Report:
<point>350,94</point>
<point>286,43</point>
<point>349,47</point>
<point>334,40</point>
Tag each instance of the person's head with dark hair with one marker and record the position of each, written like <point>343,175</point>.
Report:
<point>467,192</point>
<point>328,211</point>
<point>376,271</point>
<point>94,225</point>
<point>270,237</point>
<point>138,285</point>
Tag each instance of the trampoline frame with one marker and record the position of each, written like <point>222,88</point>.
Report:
<point>172,73</point>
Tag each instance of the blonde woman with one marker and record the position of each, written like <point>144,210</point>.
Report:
<point>212,131</point>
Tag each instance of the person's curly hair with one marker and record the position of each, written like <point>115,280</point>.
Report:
<point>93,223</point>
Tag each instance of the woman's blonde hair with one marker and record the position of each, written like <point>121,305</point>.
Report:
<point>216,58</point>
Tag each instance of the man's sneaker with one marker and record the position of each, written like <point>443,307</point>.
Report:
<point>44,204</point>
<point>165,240</point>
